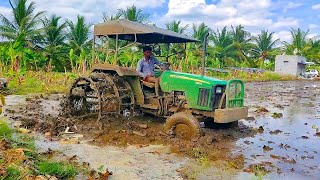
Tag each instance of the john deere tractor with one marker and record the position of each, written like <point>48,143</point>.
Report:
<point>184,99</point>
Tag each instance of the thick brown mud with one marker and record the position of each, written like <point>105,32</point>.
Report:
<point>279,140</point>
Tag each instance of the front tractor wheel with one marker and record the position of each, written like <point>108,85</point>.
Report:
<point>184,126</point>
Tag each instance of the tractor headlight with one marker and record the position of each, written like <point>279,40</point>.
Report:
<point>218,90</point>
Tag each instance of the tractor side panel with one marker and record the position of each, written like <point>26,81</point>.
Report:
<point>197,92</point>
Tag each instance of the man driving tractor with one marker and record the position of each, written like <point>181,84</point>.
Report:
<point>145,67</point>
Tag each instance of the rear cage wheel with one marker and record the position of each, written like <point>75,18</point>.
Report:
<point>100,94</point>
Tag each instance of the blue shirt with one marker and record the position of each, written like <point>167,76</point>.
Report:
<point>146,68</point>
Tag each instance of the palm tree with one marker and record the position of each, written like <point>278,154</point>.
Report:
<point>313,54</point>
<point>239,34</point>
<point>25,21</point>
<point>299,43</point>
<point>132,13</point>
<point>199,32</point>
<point>242,40</point>
<point>78,34</point>
<point>177,49</point>
<point>264,46</point>
<point>303,46</point>
<point>176,26</point>
<point>107,18</point>
<point>224,49</point>
<point>79,40</point>
<point>54,38</point>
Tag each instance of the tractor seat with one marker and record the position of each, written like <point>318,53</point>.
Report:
<point>148,84</point>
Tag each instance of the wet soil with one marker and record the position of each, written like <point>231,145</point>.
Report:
<point>279,140</point>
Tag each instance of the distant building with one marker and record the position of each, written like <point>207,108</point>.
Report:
<point>291,65</point>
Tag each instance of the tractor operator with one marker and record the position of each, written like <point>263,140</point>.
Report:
<point>145,67</point>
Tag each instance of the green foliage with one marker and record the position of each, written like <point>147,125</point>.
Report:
<point>224,47</point>
<point>40,43</point>
<point>132,13</point>
<point>199,32</point>
<point>54,41</point>
<point>59,169</point>
<point>176,26</point>
<point>12,173</point>
<point>30,162</point>
<point>39,82</point>
<point>5,130</point>
<point>78,34</point>
<point>265,47</point>
<point>25,21</point>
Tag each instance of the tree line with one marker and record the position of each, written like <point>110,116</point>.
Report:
<point>35,41</point>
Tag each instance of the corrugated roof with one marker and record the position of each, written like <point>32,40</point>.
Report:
<point>147,34</point>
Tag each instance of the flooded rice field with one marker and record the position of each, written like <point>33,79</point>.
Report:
<point>280,140</point>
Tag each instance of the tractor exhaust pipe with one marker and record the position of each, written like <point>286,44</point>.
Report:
<point>204,53</point>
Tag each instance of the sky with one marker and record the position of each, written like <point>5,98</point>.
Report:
<point>277,16</point>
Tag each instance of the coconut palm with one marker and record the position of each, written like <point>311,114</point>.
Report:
<point>24,20</point>
<point>303,46</point>
<point>239,34</point>
<point>264,46</point>
<point>224,49</point>
<point>79,41</point>
<point>176,26</point>
<point>78,34</point>
<point>313,54</point>
<point>242,40</point>
<point>132,13</point>
<point>54,38</point>
<point>107,18</point>
<point>199,32</point>
<point>300,43</point>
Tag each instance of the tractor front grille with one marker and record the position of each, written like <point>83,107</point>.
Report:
<point>216,96</point>
<point>203,97</point>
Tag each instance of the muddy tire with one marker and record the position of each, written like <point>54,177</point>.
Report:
<point>184,126</point>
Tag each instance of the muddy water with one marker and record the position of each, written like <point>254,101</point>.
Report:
<point>132,162</point>
<point>287,145</point>
<point>150,162</point>
<point>294,147</point>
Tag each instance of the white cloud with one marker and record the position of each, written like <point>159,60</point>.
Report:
<point>283,36</point>
<point>285,22</point>
<point>5,11</point>
<point>313,26</point>
<point>312,36</point>
<point>316,7</point>
<point>91,9</point>
<point>192,8</point>
<point>253,15</point>
<point>292,5</point>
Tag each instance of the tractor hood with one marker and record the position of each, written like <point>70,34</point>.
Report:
<point>171,80</point>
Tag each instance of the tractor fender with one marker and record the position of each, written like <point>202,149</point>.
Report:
<point>187,122</point>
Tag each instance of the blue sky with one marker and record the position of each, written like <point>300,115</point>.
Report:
<point>278,16</point>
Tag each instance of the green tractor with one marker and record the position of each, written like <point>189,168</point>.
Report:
<point>184,99</point>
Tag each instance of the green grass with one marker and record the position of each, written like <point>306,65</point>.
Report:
<point>252,77</point>
<point>58,169</point>
<point>5,130</point>
<point>38,82</point>
<point>12,173</point>
<point>37,164</point>
<point>55,82</point>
